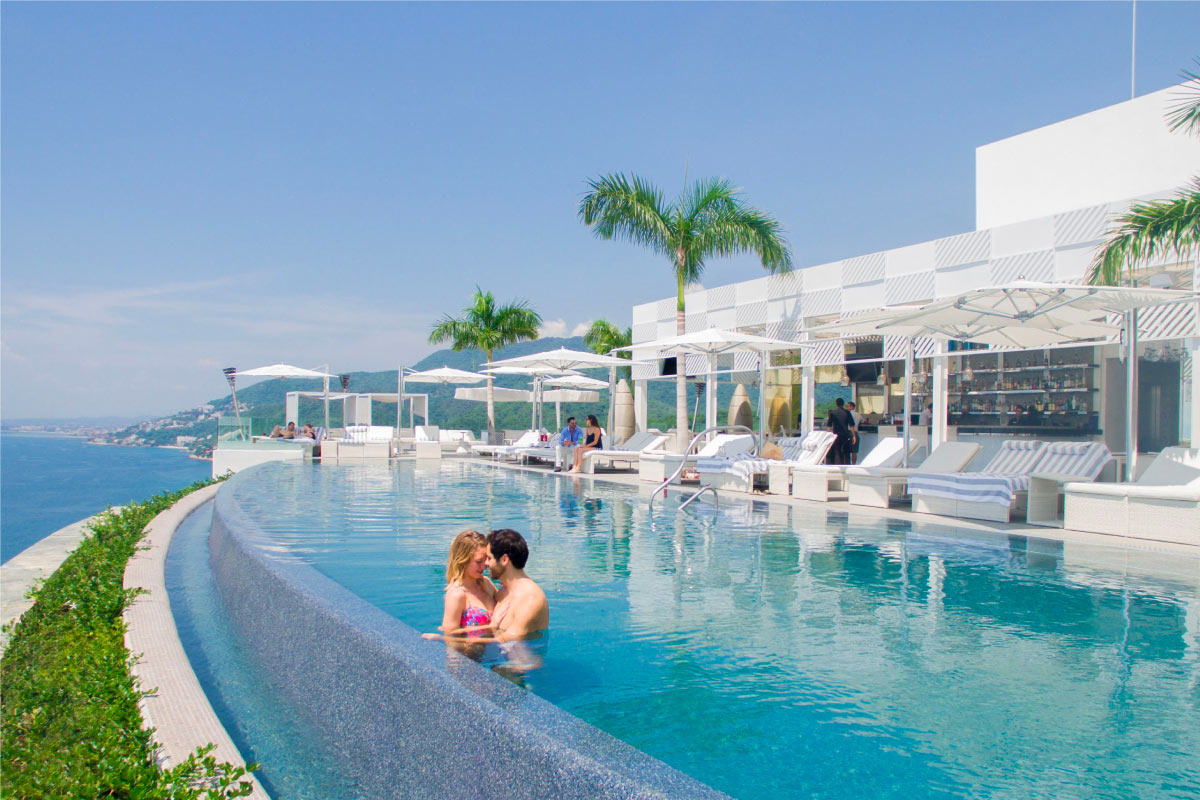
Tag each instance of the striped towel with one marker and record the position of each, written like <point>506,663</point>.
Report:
<point>719,464</point>
<point>1005,475</point>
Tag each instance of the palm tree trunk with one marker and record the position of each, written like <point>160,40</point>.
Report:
<point>682,431</point>
<point>491,402</point>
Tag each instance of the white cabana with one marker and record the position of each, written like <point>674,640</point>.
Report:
<point>289,371</point>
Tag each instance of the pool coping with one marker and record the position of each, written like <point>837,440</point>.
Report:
<point>175,706</point>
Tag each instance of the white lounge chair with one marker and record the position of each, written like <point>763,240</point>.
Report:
<point>993,493</point>
<point>657,466</point>
<point>527,439</point>
<point>875,486</point>
<point>814,481</point>
<point>360,442</point>
<point>1001,490</point>
<point>738,472</point>
<point>629,452</point>
<point>1163,504</point>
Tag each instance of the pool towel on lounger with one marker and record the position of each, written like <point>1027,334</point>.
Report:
<point>1004,476</point>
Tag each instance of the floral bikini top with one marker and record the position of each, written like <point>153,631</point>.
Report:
<point>473,616</point>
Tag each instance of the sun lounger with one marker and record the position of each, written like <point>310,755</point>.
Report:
<point>1163,504</point>
<point>738,472</point>
<point>875,486</point>
<point>814,481</point>
<point>657,466</point>
<point>1000,491</point>
<point>629,452</point>
<point>527,439</point>
<point>359,442</point>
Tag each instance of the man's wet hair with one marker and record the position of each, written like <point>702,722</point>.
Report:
<point>507,542</point>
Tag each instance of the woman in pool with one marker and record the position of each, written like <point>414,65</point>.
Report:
<point>593,441</point>
<point>470,597</point>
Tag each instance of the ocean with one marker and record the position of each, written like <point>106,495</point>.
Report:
<point>48,482</point>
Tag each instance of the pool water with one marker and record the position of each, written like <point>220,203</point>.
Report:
<point>775,652</point>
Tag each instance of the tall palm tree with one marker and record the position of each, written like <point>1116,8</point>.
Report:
<point>604,337</point>
<point>1149,229</point>
<point>486,326</point>
<point>709,219</point>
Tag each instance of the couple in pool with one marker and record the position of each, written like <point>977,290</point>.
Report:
<point>475,611</point>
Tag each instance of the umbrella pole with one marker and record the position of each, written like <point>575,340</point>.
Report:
<point>326,379</point>
<point>399,400</point>
<point>533,406</point>
<point>908,370</point>
<point>763,357</point>
<point>558,415</point>
<point>1131,395</point>
<point>710,399</point>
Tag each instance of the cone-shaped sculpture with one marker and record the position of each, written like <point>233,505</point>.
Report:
<point>779,410</point>
<point>740,412</point>
<point>623,418</point>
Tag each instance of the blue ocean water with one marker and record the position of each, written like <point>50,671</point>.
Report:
<point>774,652</point>
<point>47,482</point>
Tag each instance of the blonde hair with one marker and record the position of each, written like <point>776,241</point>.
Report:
<point>462,550</point>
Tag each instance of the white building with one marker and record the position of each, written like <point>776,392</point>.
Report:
<point>1044,200</point>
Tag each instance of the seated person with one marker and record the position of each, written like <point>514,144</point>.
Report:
<point>594,441</point>
<point>571,436</point>
<point>308,432</point>
<point>284,433</point>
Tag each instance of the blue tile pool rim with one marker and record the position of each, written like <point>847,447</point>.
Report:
<point>399,708</point>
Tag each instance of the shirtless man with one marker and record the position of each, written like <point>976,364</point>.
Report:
<point>521,607</point>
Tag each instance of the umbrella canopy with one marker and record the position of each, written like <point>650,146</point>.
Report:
<point>502,395</point>
<point>576,382</point>
<point>715,341</point>
<point>562,359</point>
<point>571,396</point>
<point>535,372</point>
<point>444,375</point>
<point>283,371</point>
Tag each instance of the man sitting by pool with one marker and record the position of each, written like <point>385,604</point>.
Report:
<point>571,436</point>
<point>521,610</point>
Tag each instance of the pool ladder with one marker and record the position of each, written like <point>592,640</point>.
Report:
<point>683,463</point>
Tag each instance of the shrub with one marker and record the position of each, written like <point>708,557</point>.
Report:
<point>69,714</point>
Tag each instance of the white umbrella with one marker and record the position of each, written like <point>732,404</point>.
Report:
<point>575,382</point>
<point>444,375</point>
<point>537,372</point>
<point>284,371</point>
<point>500,395</point>
<point>289,371</point>
<point>1025,314</point>
<point>562,359</point>
<point>714,342</point>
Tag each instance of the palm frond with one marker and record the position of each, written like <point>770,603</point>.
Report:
<point>487,327</point>
<point>743,229</point>
<point>1185,114</point>
<point>1146,231</point>
<point>617,207</point>
<point>604,336</point>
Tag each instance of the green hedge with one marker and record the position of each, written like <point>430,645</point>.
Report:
<point>70,722</point>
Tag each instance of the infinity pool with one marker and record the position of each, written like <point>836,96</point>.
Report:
<point>770,651</point>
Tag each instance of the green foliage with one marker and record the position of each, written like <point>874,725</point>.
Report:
<point>1152,229</point>
<point>709,219</point>
<point>70,720</point>
<point>604,337</point>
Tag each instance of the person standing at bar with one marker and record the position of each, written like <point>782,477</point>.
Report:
<point>842,424</point>
<point>858,418</point>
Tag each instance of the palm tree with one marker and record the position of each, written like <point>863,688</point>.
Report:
<point>486,326</point>
<point>709,219</point>
<point>1150,229</point>
<point>604,337</point>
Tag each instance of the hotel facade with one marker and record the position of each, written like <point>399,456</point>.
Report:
<point>1044,201</point>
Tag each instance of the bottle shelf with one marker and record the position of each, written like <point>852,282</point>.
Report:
<point>1023,391</point>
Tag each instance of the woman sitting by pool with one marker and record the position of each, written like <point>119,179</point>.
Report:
<point>594,441</point>
<point>470,597</point>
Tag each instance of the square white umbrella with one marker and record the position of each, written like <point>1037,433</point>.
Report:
<point>289,371</point>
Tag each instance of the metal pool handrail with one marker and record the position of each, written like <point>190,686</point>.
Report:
<point>688,449</point>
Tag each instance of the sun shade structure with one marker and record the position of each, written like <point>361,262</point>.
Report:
<point>502,395</point>
<point>283,371</point>
<point>1024,314</point>
<point>576,382</point>
<point>444,375</point>
<point>562,359</point>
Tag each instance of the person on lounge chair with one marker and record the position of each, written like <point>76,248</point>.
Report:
<point>570,437</point>
<point>594,441</point>
<point>284,433</point>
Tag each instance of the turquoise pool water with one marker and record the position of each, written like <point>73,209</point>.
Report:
<point>775,652</point>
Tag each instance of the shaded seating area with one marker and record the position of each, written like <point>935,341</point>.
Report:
<point>525,440</point>
<point>656,466</point>
<point>999,492</point>
<point>1163,503</point>
<point>815,481</point>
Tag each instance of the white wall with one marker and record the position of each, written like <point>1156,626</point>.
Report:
<point>1120,152</point>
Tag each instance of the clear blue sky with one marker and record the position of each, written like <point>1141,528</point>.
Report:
<point>191,186</point>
